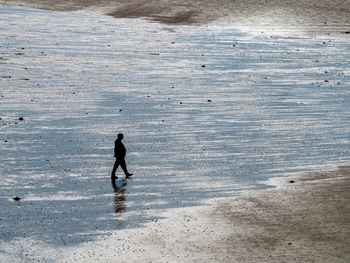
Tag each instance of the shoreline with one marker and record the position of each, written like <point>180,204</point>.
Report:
<point>304,221</point>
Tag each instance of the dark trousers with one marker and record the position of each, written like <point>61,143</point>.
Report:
<point>122,164</point>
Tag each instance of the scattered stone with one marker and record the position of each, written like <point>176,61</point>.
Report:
<point>347,32</point>
<point>326,80</point>
<point>180,102</point>
<point>20,119</point>
<point>292,181</point>
<point>209,100</point>
<point>120,110</point>
<point>289,243</point>
<point>17,198</point>
<point>203,66</point>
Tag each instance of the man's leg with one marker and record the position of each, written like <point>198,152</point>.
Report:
<point>115,167</point>
<point>123,166</point>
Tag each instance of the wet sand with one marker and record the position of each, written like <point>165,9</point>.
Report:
<point>304,221</point>
<point>313,17</point>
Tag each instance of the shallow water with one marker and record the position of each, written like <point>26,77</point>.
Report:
<point>262,106</point>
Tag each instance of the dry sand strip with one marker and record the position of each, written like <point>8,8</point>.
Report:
<point>315,15</point>
<point>304,221</point>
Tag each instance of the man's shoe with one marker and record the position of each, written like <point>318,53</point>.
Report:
<point>128,175</point>
<point>114,177</point>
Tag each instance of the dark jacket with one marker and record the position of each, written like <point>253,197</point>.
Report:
<point>119,149</point>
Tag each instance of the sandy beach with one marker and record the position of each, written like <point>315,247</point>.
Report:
<point>228,127</point>
<point>304,221</point>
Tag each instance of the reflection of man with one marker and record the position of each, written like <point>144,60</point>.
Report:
<point>119,154</point>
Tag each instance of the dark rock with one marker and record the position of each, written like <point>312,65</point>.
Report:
<point>203,66</point>
<point>20,118</point>
<point>347,32</point>
<point>17,198</point>
<point>209,101</point>
<point>291,181</point>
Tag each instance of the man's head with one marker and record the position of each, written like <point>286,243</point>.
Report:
<point>120,136</point>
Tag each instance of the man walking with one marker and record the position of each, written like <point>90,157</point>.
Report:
<point>119,154</point>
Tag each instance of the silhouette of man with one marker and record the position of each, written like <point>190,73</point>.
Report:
<point>119,154</point>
